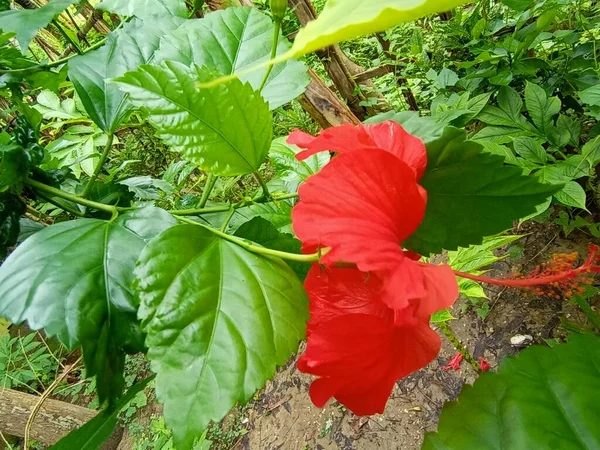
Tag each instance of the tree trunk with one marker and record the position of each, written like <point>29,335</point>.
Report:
<point>54,420</point>
<point>324,106</point>
<point>338,66</point>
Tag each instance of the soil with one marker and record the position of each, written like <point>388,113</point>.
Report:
<point>283,418</point>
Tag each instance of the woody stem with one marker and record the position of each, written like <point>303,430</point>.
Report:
<point>459,345</point>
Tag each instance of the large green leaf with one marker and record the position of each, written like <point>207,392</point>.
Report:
<point>544,399</point>
<point>145,8</point>
<point>91,435</point>
<point>26,22</point>
<point>125,50</point>
<point>471,194</point>
<point>225,130</point>
<point>541,108</point>
<point>73,280</point>
<point>234,40</point>
<point>218,321</point>
<point>341,20</point>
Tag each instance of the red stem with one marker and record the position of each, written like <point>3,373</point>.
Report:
<point>536,281</point>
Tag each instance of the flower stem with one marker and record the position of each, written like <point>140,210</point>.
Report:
<point>525,282</point>
<point>208,187</point>
<point>458,345</point>
<point>276,30</point>
<point>225,208</point>
<point>263,185</point>
<point>251,247</point>
<point>228,219</point>
<point>74,198</point>
<point>92,180</point>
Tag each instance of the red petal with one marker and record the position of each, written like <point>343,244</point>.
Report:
<point>454,363</point>
<point>353,344</point>
<point>388,136</point>
<point>360,358</point>
<point>334,292</point>
<point>362,205</point>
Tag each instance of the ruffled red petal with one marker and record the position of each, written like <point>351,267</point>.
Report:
<point>388,136</point>
<point>354,345</point>
<point>362,205</point>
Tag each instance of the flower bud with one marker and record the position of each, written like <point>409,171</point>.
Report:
<point>278,8</point>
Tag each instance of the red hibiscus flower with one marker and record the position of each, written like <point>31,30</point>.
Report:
<point>365,203</point>
<point>355,343</point>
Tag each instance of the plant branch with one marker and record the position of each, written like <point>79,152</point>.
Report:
<point>459,345</point>
<point>71,197</point>
<point>263,185</point>
<point>251,247</point>
<point>276,30</point>
<point>208,187</point>
<point>92,180</point>
<point>67,37</point>
<point>225,208</point>
<point>43,398</point>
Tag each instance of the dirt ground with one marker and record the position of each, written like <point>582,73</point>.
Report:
<point>283,418</point>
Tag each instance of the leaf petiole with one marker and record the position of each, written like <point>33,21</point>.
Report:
<point>251,247</point>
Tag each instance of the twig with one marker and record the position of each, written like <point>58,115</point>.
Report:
<point>43,398</point>
<point>458,345</point>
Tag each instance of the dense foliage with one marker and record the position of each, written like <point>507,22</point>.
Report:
<point>324,235</point>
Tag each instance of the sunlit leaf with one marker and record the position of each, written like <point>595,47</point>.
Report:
<point>73,279</point>
<point>218,321</point>
<point>234,40</point>
<point>26,22</point>
<point>225,130</point>
<point>145,8</point>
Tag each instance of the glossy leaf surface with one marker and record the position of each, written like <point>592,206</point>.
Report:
<point>341,20</point>
<point>225,130</point>
<point>125,50</point>
<point>471,194</point>
<point>545,398</point>
<point>218,321</point>
<point>145,8</point>
<point>73,279</point>
<point>234,40</point>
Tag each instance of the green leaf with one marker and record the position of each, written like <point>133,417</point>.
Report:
<point>442,316</point>
<point>91,435</point>
<point>510,102</point>
<point>26,22</point>
<point>530,149</point>
<point>500,135</point>
<point>218,321</point>
<point>291,171</point>
<point>145,8</point>
<point>545,398</point>
<point>541,108</point>
<point>425,128</point>
<point>572,194</point>
<point>476,257</point>
<point>279,214</point>
<point>125,50</point>
<point>27,228</point>
<point>73,279</point>
<point>234,40</point>
<point>264,233</point>
<point>225,130</point>
<point>471,194</point>
<point>342,20</point>
<point>13,165</point>
<point>446,78</point>
<point>590,96</point>
<point>591,152</point>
